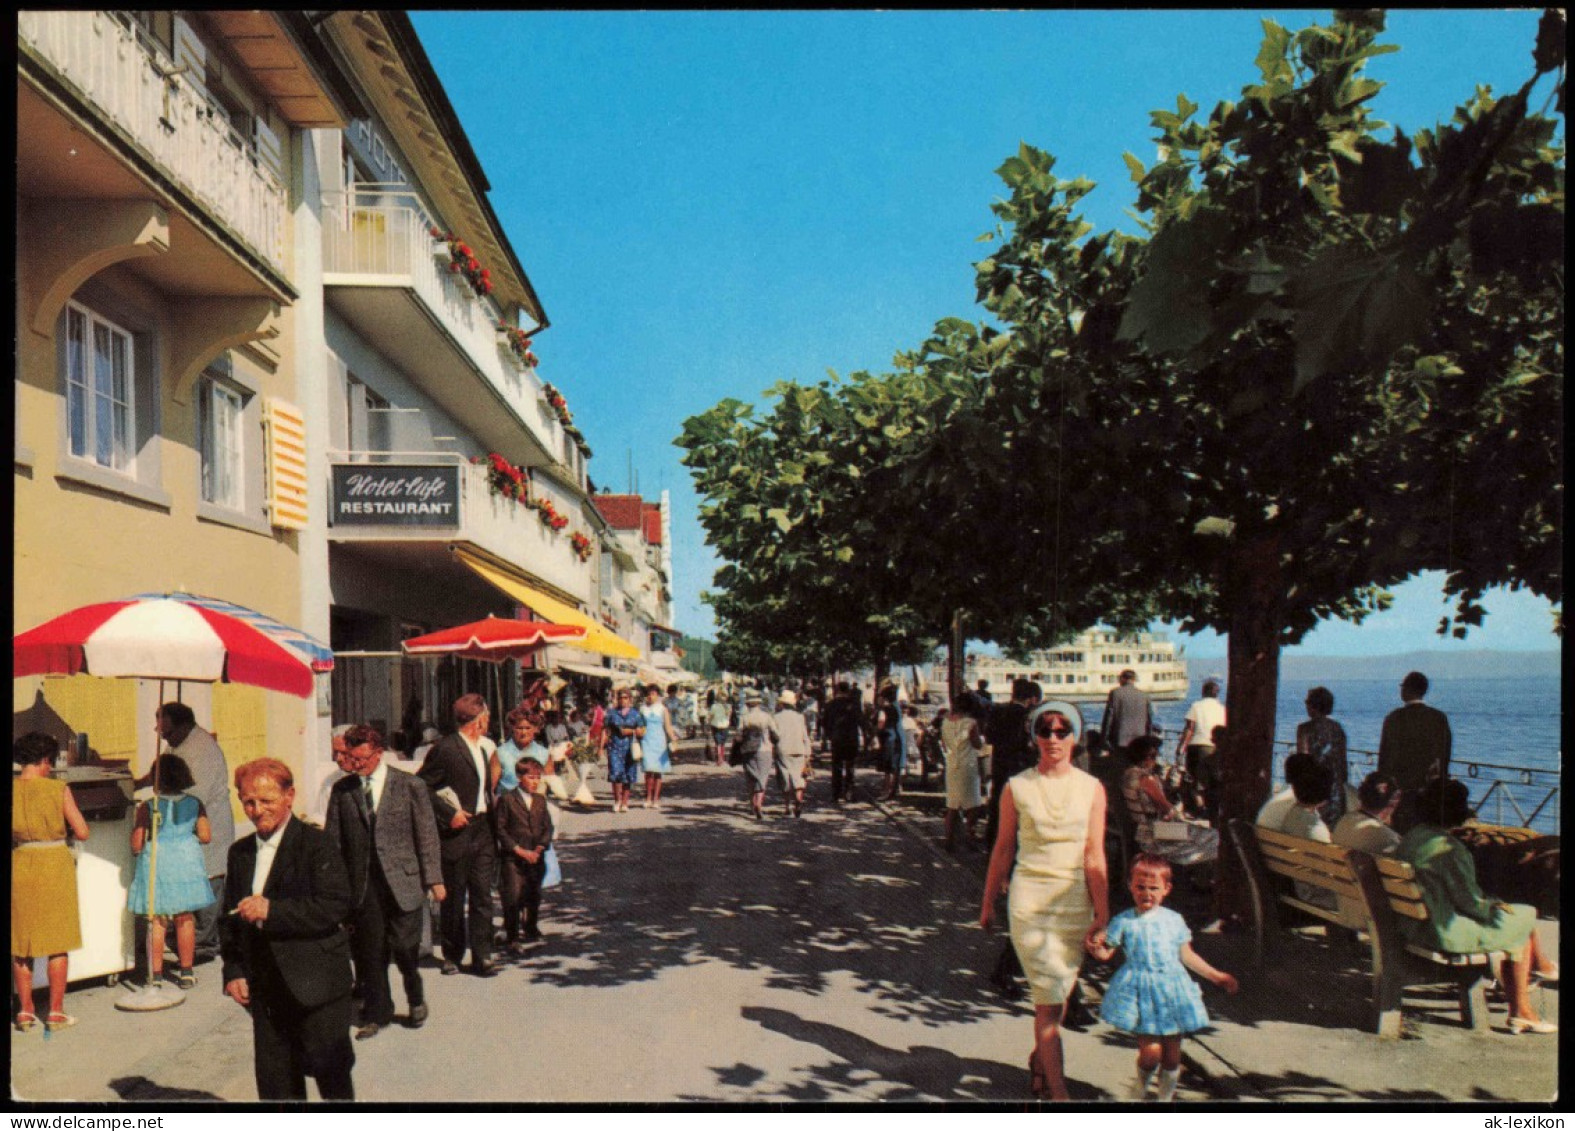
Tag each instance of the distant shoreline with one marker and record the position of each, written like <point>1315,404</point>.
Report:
<point>1479,664</point>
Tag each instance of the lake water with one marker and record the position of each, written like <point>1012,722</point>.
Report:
<point>1506,721</point>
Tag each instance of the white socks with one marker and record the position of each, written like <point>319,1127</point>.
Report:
<point>1167,1084</point>
<point>1140,1083</point>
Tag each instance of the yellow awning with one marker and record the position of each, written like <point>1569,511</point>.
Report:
<point>597,638</point>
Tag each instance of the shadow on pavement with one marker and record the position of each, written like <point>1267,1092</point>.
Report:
<point>141,1088</point>
<point>921,1072</point>
<point>802,899</point>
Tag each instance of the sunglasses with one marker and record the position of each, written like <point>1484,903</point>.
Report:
<point>1048,731</point>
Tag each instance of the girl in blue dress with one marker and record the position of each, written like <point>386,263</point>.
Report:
<point>180,875</point>
<point>1151,995</point>
<point>657,743</point>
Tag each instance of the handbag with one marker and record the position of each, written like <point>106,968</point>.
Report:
<point>1172,830</point>
<point>636,751</point>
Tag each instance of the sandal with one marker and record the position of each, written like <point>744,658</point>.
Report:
<point>25,1022</point>
<point>57,1021</point>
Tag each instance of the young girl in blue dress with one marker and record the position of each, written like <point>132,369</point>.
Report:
<point>1151,995</point>
<point>181,876</point>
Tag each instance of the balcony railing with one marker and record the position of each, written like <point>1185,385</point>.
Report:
<point>394,242</point>
<point>130,79</point>
<point>501,526</point>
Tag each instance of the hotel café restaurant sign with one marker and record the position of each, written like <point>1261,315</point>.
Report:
<point>394,495</point>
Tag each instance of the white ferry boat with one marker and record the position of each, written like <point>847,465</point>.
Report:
<point>1085,669</point>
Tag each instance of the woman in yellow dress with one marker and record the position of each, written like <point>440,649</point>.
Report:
<point>1053,820</point>
<point>44,919</point>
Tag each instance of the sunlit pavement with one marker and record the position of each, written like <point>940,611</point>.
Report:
<point>694,954</point>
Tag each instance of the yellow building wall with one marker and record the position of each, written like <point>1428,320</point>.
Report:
<point>76,544</point>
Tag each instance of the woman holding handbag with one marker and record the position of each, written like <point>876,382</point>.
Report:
<point>657,745</point>
<point>622,728</point>
<point>1157,825</point>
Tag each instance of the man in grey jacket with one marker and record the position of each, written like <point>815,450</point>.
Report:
<point>211,785</point>
<point>1128,713</point>
<point>382,822</point>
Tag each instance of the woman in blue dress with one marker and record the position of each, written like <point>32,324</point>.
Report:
<point>893,749</point>
<point>175,867</point>
<point>1151,995</point>
<point>620,728</point>
<point>658,743</point>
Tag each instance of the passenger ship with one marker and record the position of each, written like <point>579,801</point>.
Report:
<point>1086,668</point>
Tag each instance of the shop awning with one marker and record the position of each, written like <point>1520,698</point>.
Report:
<point>586,669</point>
<point>597,638</point>
<point>667,628</point>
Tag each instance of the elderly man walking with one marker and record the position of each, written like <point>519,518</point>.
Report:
<point>455,773</point>
<point>382,823</point>
<point>792,752</point>
<point>286,956</point>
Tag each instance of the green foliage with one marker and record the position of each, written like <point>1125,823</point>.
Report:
<point>1334,360</point>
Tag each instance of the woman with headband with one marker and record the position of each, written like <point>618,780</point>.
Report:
<point>1053,821</point>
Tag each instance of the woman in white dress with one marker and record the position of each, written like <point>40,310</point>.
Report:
<point>1053,820</point>
<point>962,744</point>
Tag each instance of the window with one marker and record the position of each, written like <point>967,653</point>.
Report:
<point>100,402</point>
<point>219,438</point>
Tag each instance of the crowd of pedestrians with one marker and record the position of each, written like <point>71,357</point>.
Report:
<point>309,919</point>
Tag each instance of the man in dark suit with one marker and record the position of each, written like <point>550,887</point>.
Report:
<point>1011,752</point>
<point>381,820</point>
<point>456,775</point>
<point>1414,746</point>
<point>1128,713</point>
<point>286,957</point>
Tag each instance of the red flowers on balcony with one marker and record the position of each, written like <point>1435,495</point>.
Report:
<point>513,483</point>
<point>462,261</point>
<point>560,407</point>
<point>504,478</point>
<point>582,546</point>
<point>519,343</point>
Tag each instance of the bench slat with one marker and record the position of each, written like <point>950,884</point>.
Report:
<point>1273,855</point>
<point>1444,958</point>
<point>1408,908</point>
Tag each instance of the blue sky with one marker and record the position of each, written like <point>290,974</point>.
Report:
<point>711,202</point>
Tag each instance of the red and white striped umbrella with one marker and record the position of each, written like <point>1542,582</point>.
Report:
<point>495,639</point>
<point>173,636</point>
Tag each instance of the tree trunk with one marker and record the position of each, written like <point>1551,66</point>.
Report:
<point>955,657</point>
<point>1255,589</point>
<point>882,673</point>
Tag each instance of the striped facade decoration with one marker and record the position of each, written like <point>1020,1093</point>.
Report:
<point>284,431</point>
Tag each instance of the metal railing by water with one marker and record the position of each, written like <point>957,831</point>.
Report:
<point>138,88</point>
<point>1510,790</point>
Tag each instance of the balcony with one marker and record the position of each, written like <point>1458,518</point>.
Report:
<point>130,86</point>
<point>502,527</point>
<point>389,279</point>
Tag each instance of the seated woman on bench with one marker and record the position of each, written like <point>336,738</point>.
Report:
<point>1461,919</point>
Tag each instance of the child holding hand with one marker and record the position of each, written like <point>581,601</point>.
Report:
<point>1151,995</point>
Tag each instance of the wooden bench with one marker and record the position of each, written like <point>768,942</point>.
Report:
<point>1370,894</point>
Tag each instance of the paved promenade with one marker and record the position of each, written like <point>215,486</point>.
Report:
<point>696,955</point>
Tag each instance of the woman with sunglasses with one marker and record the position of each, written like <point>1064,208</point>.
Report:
<point>1053,821</point>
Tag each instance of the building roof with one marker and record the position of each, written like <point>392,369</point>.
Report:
<point>653,524</point>
<point>622,512</point>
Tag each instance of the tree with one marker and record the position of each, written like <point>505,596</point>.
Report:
<point>1334,361</point>
<point>807,582</point>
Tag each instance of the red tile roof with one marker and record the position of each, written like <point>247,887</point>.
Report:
<point>622,512</point>
<point>653,524</point>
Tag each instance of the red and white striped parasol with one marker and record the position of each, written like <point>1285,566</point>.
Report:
<point>173,636</point>
<point>495,639</point>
